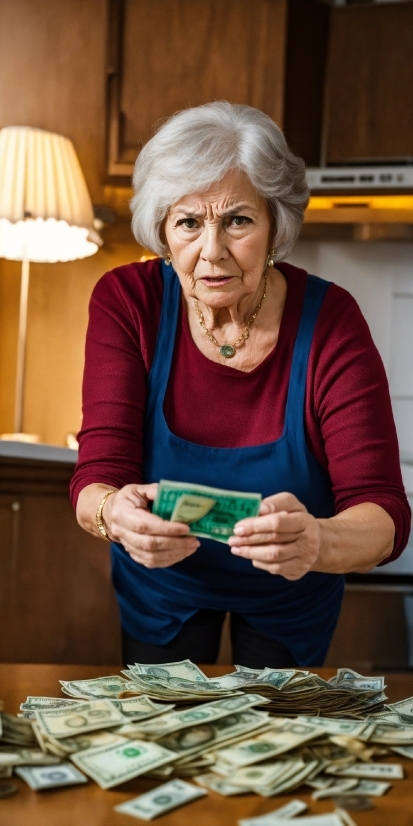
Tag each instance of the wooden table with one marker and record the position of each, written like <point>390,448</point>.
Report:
<point>91,806</point>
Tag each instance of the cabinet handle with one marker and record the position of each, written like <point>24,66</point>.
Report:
<point>15,506</point>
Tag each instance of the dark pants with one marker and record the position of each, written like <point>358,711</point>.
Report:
<point>199,640</point>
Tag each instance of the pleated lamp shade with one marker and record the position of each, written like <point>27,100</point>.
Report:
<point>46,213</point>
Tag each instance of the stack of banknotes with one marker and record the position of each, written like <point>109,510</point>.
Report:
<point>223,734</point>
<point>287,691</point>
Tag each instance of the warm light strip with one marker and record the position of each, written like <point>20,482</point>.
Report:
<point>361,201</point>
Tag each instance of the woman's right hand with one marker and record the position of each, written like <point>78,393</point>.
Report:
<point>150,540</point>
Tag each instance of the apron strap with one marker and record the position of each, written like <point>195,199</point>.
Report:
<point>294,413</point>
<point>165,342</point>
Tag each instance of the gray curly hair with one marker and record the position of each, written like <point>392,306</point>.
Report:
<point>195,148</point>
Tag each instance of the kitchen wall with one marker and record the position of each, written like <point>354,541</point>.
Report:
<point>380,276</point>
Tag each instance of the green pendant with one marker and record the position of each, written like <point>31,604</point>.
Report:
<point>227,350</point>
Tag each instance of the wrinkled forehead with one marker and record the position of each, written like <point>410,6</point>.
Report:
<point>234,192</point>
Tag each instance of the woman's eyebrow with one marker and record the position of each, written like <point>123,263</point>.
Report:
<point>233,211</point>
<point>188,214</point>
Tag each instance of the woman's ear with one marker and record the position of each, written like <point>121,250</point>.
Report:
<point>162,232</point>
<point>272,230</point>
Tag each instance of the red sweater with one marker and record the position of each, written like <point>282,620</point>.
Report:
<point>348,416</point>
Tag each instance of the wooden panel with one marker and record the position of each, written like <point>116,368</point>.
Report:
<point>18,475</point>
<point>57,601</point>
<point>369,112</point>
<point>9,533</point>
<point>175,55</point>
<point>371,632</point>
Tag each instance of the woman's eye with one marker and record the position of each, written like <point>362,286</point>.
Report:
<point>188,223</point>
<point>240,220</point>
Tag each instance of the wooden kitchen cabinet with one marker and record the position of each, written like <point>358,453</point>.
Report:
<point>368,112</point>
<point>165,56</point>
<point>56,599</point>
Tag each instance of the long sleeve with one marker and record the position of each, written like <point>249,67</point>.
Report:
<point>117,359</point>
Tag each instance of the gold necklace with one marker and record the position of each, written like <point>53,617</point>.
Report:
<point>228,350</point>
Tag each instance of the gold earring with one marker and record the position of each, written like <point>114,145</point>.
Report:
<point>270,259</point>
<point>168,259</point>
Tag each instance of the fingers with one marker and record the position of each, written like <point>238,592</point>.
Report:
<point>283,542</point>
<point>150,540</point>
<point>284,560</point>
<point>140,494</point>
<point>268,553</point>
<point>272,537</point>
<point>281,502</point>
<point>160,559</point>
<point>151,544</point>
<point>273,524</point>
<point>158,551</point>
<point>143,522</point>
<point>291,571</point>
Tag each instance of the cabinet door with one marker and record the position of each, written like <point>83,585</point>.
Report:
<point>56,595</point>
<point>165,56</point>
<point>368,103</point>
<point>9,542</point>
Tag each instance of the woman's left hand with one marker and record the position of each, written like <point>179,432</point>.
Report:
<point>284,539</point>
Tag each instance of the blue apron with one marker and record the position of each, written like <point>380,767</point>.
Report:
<point>155,602</point>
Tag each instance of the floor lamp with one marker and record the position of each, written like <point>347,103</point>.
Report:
<point>46,216</point>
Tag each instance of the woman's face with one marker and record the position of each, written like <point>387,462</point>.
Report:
<point>219,240</point>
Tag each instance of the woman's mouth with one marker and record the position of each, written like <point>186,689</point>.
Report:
<point>216,280</point>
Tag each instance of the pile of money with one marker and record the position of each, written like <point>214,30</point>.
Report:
<point>287,691</point>
<point>222,733</point>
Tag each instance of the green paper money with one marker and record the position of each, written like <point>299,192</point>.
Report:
<point>210,512</point>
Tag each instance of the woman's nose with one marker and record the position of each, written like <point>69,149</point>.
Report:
<point>214,248</point>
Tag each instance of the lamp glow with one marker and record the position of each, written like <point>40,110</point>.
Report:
<point>46,216</point>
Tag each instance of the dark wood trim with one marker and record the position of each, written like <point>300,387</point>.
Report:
<point>33,476</point>
<point>117,167</point>
<point>306,55</point>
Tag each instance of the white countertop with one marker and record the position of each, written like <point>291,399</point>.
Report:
<point>48,453</point>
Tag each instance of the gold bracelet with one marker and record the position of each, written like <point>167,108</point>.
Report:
<point>99,519</point>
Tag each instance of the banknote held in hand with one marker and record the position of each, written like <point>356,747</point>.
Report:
<point>210,512</point>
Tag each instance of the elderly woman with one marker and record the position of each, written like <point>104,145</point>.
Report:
<point>222,366</point>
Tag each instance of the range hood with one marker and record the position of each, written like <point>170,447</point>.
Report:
<point>371,178</point>
<point>366,203</point>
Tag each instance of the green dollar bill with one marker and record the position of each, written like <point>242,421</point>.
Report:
<point>182,669</point>
<point>198,715</point>
<point>85,717</point>
<point>290,810</point>
<point>158,801</point>
<point>217,784</point>
<point>98,688</point>
<point>283,736</point>
<point>111,765</point>
<point>50,778</point>
<point>370,771</point>
<point>181,501</point>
